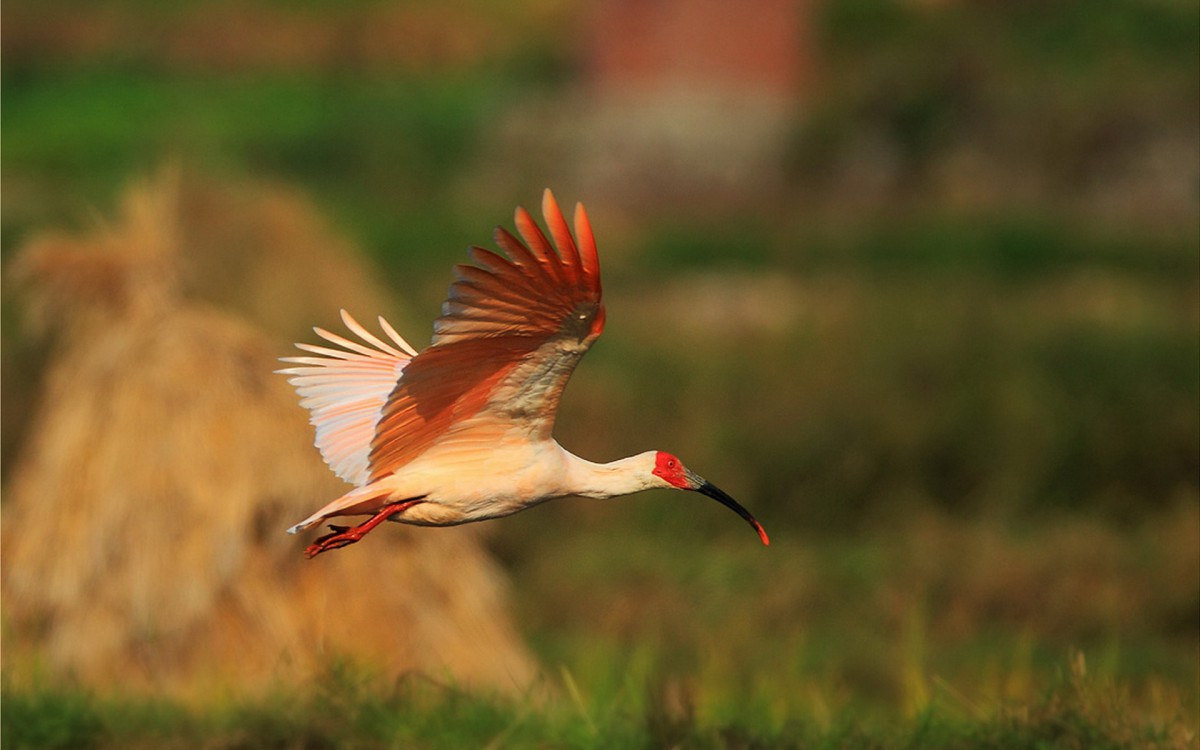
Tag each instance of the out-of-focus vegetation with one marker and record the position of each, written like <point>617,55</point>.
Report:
<point>953,366</point>
<point>354,710</point>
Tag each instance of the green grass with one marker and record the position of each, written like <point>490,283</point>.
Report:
<point>352,710</point>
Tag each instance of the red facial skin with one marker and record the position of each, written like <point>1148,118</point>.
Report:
<point>671,469</point>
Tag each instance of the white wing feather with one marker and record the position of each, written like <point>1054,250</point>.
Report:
<point>345,390</point>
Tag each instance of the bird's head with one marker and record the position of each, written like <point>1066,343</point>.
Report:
<point>669,471</point>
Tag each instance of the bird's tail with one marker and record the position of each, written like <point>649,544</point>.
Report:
<point>359,501</point>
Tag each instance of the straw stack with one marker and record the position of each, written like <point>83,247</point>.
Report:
<point>143,543</point>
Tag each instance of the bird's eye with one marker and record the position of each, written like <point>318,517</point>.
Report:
<point>670,464</point>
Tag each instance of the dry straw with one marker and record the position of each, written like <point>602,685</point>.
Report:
<point>143,543</point>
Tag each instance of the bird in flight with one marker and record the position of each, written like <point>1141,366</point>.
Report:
<point>462,431</point>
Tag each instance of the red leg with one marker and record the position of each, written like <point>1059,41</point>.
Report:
<point>343,536</point>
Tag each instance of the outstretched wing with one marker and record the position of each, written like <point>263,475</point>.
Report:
<point>509,336</point>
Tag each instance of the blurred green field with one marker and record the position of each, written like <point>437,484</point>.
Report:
<point>969,426</point>
<point>355,710</point>
<point>932,634</point>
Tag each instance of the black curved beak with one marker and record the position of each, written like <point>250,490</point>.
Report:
<point>705,487</point>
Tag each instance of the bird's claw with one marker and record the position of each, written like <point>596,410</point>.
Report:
<point>340,536</point>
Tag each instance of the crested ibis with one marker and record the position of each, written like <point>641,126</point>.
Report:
<point>462,431</point>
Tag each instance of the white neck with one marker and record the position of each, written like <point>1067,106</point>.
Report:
<point>622,477</point>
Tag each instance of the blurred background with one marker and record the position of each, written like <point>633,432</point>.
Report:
<point>917,281</point>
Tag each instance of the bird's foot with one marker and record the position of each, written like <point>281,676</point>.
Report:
<point>341,536</point>
<point>344,536</point>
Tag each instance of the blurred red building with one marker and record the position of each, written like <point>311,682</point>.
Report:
<point>690,102</point>
<point>759,46</point>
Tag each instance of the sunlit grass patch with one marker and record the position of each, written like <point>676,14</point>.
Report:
<point>351,709</point>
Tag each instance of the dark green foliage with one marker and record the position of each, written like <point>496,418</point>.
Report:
<point>50,719</point>
<point>1071,34</point>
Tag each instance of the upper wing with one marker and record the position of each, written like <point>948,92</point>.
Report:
<point>508,338</point>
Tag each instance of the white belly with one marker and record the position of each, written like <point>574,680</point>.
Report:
<point>471,483</point>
